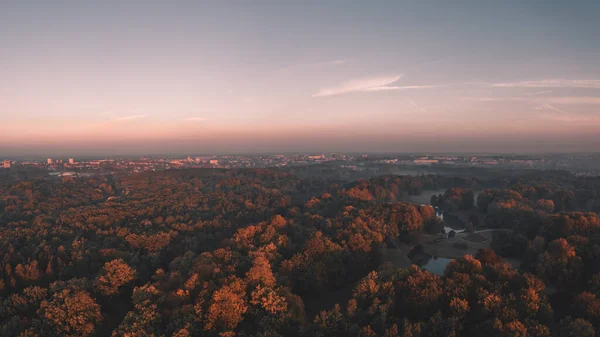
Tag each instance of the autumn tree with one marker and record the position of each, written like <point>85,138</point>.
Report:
<point>144,318</point>
<point>575,328</point>
<point>260,273</point>
<point>419,293</point>
<point>560,264</point>
<point>71,312</point>
<point>461,198</point>
<point>228,305</point>
<point>114,275</point>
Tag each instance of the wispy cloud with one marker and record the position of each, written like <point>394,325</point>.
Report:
<point>129,117</point>
<point>112,119</point>
<point>549,111</point>
<point>553,83</point>
<point>382,83</point>
<point>590,100</point>
<point>547,106</point>
<point>566,100</point>
<point>494,99</point>
<point>406,87</point>
<point>569,118</point>
<point>196,119</point>
<point>537,93</point>
<point>335,62</point>
<point>362,84</point>
<point>425,108</point>
<point>413,103</point>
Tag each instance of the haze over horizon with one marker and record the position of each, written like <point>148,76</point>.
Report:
<point>127,77</point>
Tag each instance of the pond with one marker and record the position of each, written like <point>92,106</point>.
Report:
<point>425,196</point>
<point>437,265</point>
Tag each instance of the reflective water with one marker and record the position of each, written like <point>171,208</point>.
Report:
<point>437,265</point>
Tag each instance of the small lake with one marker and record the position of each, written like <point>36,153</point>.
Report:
<point>425,196</point>
<point>437,265</point>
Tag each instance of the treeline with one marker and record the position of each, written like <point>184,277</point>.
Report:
<point>240,252</point>
<point>184,252</point>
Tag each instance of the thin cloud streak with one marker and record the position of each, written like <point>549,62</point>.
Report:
<point>551,112</point>
<point>543,92</point>
<point>567,100</point>
<point>406,87</point>
<point>358,85</point>
<point>586,100</point>
<point>196,119</point>
<point>553,83</point>
<point>495,99</point>
<point>369,84</point>
<point>425,108</point>
<point>130,117</point>
<point>413,104</point>
<point>547,106</point>
<point>558,116</point>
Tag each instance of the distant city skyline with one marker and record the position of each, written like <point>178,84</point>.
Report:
<point>132,77</point>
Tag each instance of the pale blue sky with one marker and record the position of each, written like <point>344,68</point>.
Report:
<point>226,76</point>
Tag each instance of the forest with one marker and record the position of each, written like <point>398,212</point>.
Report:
<point>261,252</point>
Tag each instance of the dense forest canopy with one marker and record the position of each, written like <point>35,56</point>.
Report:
<point>272,253</point>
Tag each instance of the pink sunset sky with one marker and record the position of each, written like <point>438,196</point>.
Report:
<point>113,78</point>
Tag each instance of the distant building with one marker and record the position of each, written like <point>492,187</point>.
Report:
<point>426,161</point>
<point>214,162</point>
<point>71,161</point>
<point>6,164</point>
<point>49,161</point>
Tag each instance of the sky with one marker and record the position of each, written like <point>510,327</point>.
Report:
<point>153,77</point>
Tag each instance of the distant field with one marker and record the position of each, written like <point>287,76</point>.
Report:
<point>476,237</point>
<point>425,197</point>
<point>448,250</point>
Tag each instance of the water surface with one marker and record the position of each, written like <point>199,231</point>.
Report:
<point>437,265</point>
